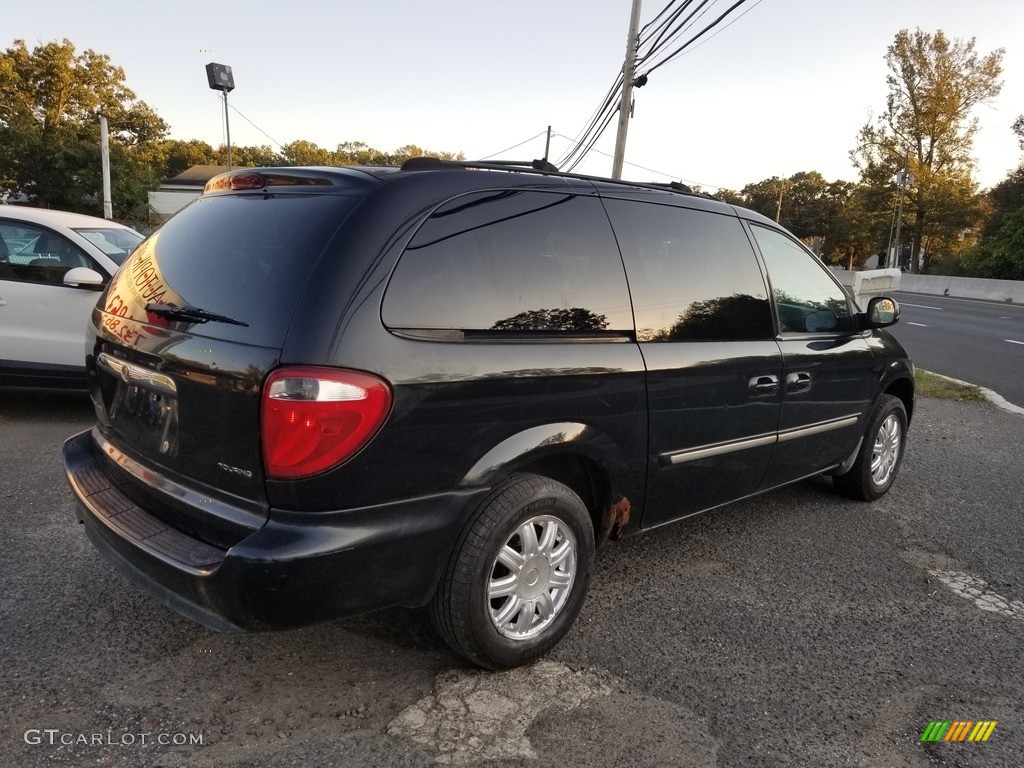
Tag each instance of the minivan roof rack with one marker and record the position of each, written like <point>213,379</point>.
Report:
<point>541,166</point>
<point>429,163</point>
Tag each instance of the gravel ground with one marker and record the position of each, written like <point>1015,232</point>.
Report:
<point>796,629</point>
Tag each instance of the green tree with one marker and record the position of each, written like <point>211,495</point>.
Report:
<point>730,196</point>
<point>302,152</point>
<point>359,153</point>
<point>49,136</point>
<point>927,126</point>
<point>262,156</point>
<point>1001,252</point>
<point>176,156</point>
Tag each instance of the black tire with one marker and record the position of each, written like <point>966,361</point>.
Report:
<point>461,610</point>
<point>886,432</point>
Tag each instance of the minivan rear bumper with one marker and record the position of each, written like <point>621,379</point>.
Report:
<point>299,568</point>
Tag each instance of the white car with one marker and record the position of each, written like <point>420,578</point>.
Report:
<point>52,266</point>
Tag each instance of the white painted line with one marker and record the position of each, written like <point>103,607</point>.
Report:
<point>919,325</point>
<point>1011,341</point>
<point>977,591</point>
<point>920,306</point>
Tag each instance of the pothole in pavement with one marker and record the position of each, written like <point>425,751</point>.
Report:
<point>473,715</point>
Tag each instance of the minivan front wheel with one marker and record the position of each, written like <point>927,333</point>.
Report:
<point>881,452</point>
<point>518,575</point>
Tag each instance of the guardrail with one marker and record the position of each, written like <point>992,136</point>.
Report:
<point>874,282</point>
<point>941,285</point>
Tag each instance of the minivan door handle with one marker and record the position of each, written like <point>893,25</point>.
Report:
<point>764,385</point>
<point>798,382</point>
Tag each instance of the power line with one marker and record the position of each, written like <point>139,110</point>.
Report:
<point>279,145</point>
<point>597,135</point>
<point>695,38</point>
<point>651,170</point>
<point>731,22</point>
<point>666,36</point>
<point>655,36</point>
<point>514,146</point>
<point>598,115</point>
<point>658,16</point>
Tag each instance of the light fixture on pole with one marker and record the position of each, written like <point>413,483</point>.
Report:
<point>905,178</point>
<point>220,79</point>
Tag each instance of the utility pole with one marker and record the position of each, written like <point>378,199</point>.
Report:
<point>220,78</point>
<point>108,209</point>
<point>778,207</point>
<point>904,178</point>
<point>625,103</point>
<point>227,128</point>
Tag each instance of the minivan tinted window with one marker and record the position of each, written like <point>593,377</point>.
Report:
<point>511,262</point>
<point>693,274</point>
<point>243,256</point>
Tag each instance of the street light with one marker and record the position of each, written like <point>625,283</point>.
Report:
<point>220,79</point>
<point>904,179</point>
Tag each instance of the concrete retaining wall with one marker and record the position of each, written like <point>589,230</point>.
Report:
<point>961,287</point>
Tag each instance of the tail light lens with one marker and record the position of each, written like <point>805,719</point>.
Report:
<point>316,418</point>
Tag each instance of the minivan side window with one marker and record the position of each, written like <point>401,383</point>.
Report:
<point>511,262</point>
<point>806,299</point>
<point>693,274</point>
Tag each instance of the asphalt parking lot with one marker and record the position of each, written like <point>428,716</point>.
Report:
<point>796,629</point>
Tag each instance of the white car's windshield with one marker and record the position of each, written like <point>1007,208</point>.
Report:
<point>116,244</point>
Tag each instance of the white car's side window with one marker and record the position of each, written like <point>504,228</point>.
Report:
<point>33,254</point>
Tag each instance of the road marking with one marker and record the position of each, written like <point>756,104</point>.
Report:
<point>1011,341</point>
<point>919,325</point>
<point>920,306</point>
<point>977,591</point>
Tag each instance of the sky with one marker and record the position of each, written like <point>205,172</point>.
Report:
<point>784,88</point>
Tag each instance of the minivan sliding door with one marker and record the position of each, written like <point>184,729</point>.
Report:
<point>704,326</point>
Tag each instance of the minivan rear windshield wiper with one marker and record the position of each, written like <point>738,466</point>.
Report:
<point>194,314</point>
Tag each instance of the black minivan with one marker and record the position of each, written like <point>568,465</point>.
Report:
<point>324,391</point>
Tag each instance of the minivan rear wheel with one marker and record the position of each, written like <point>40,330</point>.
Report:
<point>518,575</point>
<point>881,452</point>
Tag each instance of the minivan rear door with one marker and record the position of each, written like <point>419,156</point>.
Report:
<point>191,325</point>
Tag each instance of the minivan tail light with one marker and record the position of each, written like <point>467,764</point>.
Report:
<point>316,418</point>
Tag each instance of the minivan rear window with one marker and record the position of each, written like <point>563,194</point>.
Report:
<point>244,256</point>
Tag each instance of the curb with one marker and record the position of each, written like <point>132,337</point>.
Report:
<point>991,395</point>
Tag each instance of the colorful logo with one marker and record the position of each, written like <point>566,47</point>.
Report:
<point>958,730</point>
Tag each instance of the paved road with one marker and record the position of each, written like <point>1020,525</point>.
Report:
<point>977,341</point>
<point>794,630</point>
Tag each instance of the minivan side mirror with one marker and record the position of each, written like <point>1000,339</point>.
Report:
<point>882,311</point>
<point>83,277</point>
